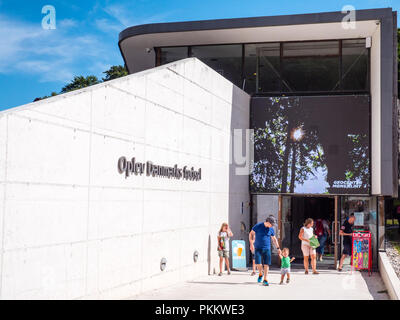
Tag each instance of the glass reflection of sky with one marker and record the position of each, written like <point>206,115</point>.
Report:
<point>315,182</point>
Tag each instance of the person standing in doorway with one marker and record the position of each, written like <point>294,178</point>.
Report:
<point>322,231</point>
<point>260,243</point>
<point>346,231</point>
<point>223,246</point>
<point>306,233</point>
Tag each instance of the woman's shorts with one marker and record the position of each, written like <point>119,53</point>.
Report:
<point>223,253</point>
<point>285,270</point>
<point>308,250</point>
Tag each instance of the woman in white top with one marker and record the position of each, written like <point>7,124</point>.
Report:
<point>306,233</point>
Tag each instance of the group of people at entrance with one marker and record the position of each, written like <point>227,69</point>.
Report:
<point>262,236</point>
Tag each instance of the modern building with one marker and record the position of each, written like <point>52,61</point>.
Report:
<point>323,106</point>
<point>121,187</point>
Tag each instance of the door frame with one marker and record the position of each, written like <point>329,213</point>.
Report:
<point>336,222</point>
<point>336,231</point>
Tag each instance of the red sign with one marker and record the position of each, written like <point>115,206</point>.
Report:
<point>361,258</point>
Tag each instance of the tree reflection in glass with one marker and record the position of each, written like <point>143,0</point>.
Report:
<point>310,145</point>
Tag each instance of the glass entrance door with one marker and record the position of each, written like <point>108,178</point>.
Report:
<point>365,211</point>
<point>293,211</point>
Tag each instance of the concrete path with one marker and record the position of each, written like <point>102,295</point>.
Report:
<point>329,284</point>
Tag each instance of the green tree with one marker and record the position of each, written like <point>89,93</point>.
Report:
<point>44,97</point>
<point>115,72</point>
<point>80,82</point>
<point>281,162</point>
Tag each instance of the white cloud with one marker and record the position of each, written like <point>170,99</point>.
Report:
<point>54,71</point>
<point>127,15</point>
<point>52,55</point>
<point>105,25</point>
<point>67,23</point>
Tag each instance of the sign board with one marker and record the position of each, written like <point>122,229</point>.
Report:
<point>133,167</point>
<point>361,251</point>
<point>359,218</point>
<point>239,254</point>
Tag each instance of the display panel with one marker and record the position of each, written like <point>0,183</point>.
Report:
<point>311,145</point>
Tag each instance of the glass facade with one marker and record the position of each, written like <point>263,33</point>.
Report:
<point>311,144</point>
<point>226,60</point>
<point>311,66</point>
<point>171,54</point>
<point>262,68</point>
<point>329,67</point>
<point>354,65</point>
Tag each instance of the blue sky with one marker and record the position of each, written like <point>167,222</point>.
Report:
<point>34,61</point>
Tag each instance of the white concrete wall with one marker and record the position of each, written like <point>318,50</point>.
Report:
<point>239,196</point>
<point>376,112</point>
<point>389,276</point>
<point>72,227</point>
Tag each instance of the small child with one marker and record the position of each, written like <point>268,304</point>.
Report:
<point>223,246</point>
<point>285,264</point>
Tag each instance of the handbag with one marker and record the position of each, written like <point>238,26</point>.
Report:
<point>314,243</point>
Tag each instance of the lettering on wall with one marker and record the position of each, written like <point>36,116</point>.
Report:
<point>133,167</point>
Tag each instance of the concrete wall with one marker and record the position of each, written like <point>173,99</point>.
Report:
<point>72,227</point>
<point>239,200</point>
<point>389,277</point>
<point>376,163</point>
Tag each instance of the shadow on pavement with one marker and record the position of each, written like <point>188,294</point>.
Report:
<point>375,286</point>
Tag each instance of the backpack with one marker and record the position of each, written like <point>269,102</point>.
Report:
<point>319,228</point>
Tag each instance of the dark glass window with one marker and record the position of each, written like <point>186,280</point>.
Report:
<point>354,65</point>
<point>173,54</point>
<point>287,67</point>
<point>262,67</point>
<point>225,59</point>
<point>311,66</point>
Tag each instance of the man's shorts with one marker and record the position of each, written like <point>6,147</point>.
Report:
<point>347,248</point>
<point>285,271</point>
<point>223,253</point>
<point>262,256</point>
<point>308,250</point>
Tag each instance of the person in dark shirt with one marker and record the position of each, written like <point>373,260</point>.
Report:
<point>346,231</point>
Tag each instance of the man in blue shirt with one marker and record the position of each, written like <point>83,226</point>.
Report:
<point>260,243</point>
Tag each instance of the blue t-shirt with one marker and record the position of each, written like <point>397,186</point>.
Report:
<point>263,236</point>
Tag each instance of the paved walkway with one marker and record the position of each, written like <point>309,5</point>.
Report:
<point>329,284</point>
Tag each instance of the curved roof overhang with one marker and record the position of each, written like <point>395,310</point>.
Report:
<point>136,43</point>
